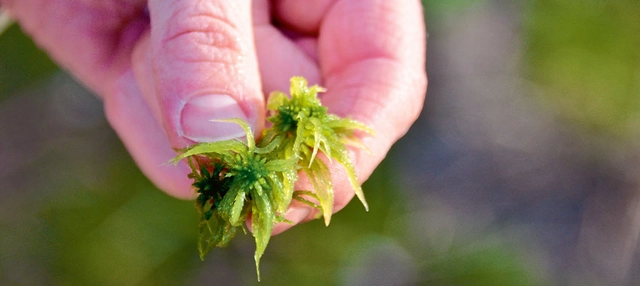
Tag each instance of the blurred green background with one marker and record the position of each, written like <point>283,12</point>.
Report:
<point>522,170</point>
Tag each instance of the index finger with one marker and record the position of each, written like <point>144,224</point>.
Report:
<point>372,56</point>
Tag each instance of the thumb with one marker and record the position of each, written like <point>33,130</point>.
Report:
<point>204,67</point>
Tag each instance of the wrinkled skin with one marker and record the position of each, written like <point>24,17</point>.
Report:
<point>153,63</point>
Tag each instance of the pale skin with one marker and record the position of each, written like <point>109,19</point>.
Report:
<point>163,68</point>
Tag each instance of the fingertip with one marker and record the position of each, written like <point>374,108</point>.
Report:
<point>145,140</point>
<point>296,214</point>
<point>204,67</point>
<point>175,182</point>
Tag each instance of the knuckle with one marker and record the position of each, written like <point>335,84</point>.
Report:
<point>202,35</point>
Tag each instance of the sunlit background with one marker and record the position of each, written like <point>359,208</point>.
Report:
<point>524,169</point>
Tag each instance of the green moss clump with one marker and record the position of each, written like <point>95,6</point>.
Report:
<point>235,180</point>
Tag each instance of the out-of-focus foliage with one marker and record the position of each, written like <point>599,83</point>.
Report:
<point>443,6</point>
<point>585,56</point>
<point>21,63</point>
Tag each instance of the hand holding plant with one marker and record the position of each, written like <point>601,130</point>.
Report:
<point>164,68</point>
<point>234,179</point>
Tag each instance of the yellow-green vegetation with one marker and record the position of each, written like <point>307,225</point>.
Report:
<point>583,55</point>
<point>236,180</point>
<point>302,127</point>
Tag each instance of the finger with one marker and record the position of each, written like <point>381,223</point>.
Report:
<point>92,39</point>
<point>281,57</point>
<point>302,16</point>
<point>375,70</point>
<point>145,140</point>
<point>204,67</point>
<point>372,56</point>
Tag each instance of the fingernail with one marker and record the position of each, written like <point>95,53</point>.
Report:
<point>198,112</point>
<point>296,215</point>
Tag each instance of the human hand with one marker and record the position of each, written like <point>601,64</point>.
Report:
<point>165,72</point>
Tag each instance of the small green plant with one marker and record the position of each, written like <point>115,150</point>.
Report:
<point>302,127</point>
<point>239,180</point>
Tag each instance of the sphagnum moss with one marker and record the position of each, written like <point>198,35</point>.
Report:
<point>234,179</point>
<point>303,127</point>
